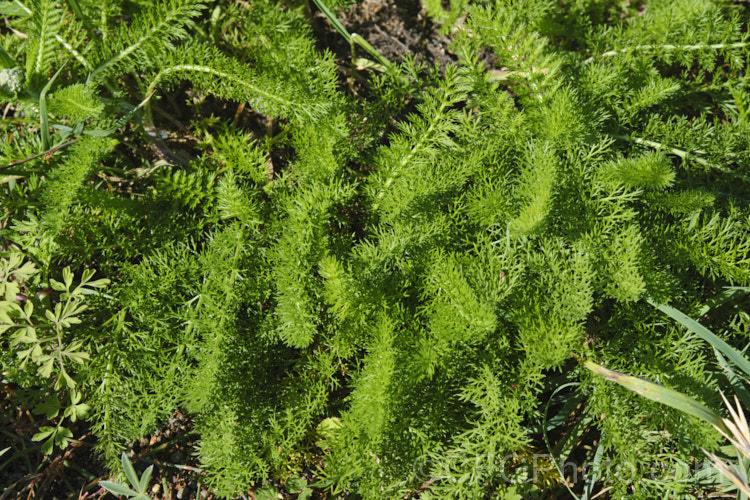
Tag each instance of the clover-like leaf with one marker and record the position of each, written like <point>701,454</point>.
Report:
<point>327,430</point>
<point>25,272</point>
<point>68,278</point>
<point>28,310</point>
<point>46,364</point>
<point>50,407</point>
<point>11,290</point>
<point>78,356</point>
<point>100,283</point>
<point>26,335</point>
<point>53,436</point>
<point>87,275</point>
<point>50,316</point>
<point>56,285</point>
<point>64,380</point>
<point>72,320</point>
<point>26,354</point>
<point>76,410</point>
<point>266,493</point>
<point>44,433</point>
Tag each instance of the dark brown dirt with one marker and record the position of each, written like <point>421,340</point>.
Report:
<point>25,472</point>
<point>75,472</point>
<point>394,29</point>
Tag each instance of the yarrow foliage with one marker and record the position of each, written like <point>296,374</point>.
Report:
<point>341,278</point>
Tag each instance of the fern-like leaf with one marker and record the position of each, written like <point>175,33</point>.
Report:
<point>211,71</point>
<point>149,37</point>
<point>46,23</point>
<point>76,103</point>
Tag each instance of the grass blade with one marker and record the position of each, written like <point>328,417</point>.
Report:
<point>371,50</point>
<point>734,380</point>
<point>6,60</point>
<point>594,474</point>
<point>334,21</point>
<point>351,38</point>
<point>78,12</point>
<point>730,352</point>
<point>546,437</point>
<point>44,119</point>
<point>728,295</point>
<point>660,394</point>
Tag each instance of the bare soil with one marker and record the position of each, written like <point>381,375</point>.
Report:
<point>394,29</point>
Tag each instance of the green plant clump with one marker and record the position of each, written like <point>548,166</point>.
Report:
<point>380,280</point>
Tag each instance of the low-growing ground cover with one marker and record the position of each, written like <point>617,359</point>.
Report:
<point>366,250</point>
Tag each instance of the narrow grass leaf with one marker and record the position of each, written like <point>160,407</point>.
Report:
<point>660,394</point>
<point>728,295</point>
<point>6,60</point>
<point>334,21</point>
<point>730,352</point>
<point>735,380</point>
<point>595,473</point>
<point>43,109</point>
